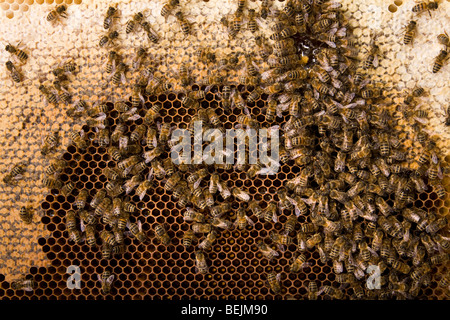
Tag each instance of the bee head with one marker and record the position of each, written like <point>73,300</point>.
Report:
<point>111,11</point>
<point>433,5</point>
<point>62,8</point>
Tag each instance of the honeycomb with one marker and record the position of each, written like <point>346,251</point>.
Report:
<point>9,7</point>
<point>153,271</point>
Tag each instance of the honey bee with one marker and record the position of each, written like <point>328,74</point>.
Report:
<point>102,137</point>
<point>107,251</point>
<point>332,292</point>
<point>108,238</point>
<point>444,39</point>
<point>256,209</point>
<point>152,114</point>
<point>122,220</point>
<point>221,223</point>
<point>14,173</point>
<point>90,234</point>
<point>111,61</point>
<point>103,206</point>
<point>240,194</point>
<point>240,8</point>
<point>142,189</point>
<point>168,7</point>
<point>16,52</point>
<point>188,238</point>
<point>26,214</point>
<point>298,263</point>
<point>106,280</point>
<point>161,234</point>
<point>118,77</point>
<point>287,32</point>
<point>252,24</point>
<point>132,23</point>
<point>436,225</point>
<point>172,181</point>
<point>266,250</point>
<point>439,189</point>
<point>152,154</point>
<point>64,95</point>
<point>98,198</point>
<point>401,266</point>
<point>234,26</point>
<point>439,60</point>
<point>269,213</point>
<point>52,183</point>
<point>164,132</point>
<point>371,59</point>
<point>71,222</point>
<point>74,234</point>
<point>192,215</point>
<point>247,120</point>
<point>312,290</point>
<point>410,31</point>
<point>201,266</point>
<point>313,241</point>
<point>226,97</point>
<point>16,76</point>
<point>77,109</point>
<point>242,219</point>
<point>136,230</point>
<point>49,96</point>
<point>151,35</point>
<point>184,24</point>
<point>87,217</point>
<point>108,39</point>
<point>425,6</point>
<point>208,242</point>
<point>78,140</point>
<point>59,12</point>
<point>281,240</point>
<point>67,189</point>
<point>273,280</point>
<point>110,14</point>
<point>24,284</point>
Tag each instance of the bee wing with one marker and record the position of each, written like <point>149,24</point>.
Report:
<point>211,186</point>
<point>440,173</point>
<point>142,194</point>
<point>421,120</point>
<point>316,94</point>
<point>197,183</point>
<point>275,218</point>
<point>123,142</point>
<point>375,61</point>
<point>342,32</point>
<point>250,221</point>
<point>99,278</point>
<point>150,175</point>
<point>332,31</point>
<point>373,252</point>
<point>110,279</point>
<point>123,78</point>
<point>139,224</point>
<point>331,44</point>
<point>82,226</point>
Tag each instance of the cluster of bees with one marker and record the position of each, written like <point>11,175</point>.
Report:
<point>411,29</point>
<point>352,198</point>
